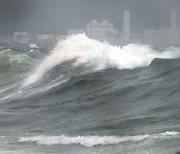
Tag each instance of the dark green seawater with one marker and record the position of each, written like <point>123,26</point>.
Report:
<point>87,97</point>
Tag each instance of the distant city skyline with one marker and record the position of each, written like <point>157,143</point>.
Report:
<point>165,36</point>
<point>57,16</point>
<point>105,31</point>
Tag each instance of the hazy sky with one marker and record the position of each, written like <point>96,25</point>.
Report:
<point>56,16</point>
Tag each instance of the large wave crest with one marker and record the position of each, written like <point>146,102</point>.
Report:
<point>98,56</point>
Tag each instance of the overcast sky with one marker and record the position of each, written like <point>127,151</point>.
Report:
<point>56,16</point>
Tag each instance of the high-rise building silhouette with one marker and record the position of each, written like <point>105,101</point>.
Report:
<point>173,19</point>
<point>102,31</point>
<point>126,26</point>
<point>166,36</point>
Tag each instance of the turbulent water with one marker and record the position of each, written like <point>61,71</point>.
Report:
<point>89,97</point>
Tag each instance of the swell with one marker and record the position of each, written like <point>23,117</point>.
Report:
<point>125,100</point>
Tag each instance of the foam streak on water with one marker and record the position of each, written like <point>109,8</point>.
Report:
<point>90,141</point>
<point>98,55</point>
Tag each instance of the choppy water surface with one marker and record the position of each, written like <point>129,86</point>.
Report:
<point>89,97</point>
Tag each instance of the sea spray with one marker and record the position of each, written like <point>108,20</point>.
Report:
<point>97,54</point>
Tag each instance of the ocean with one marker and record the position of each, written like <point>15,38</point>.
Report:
<point>89,97</point>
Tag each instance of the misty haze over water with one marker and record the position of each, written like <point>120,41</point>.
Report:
<point>65,88</point>
<point>57,16</point>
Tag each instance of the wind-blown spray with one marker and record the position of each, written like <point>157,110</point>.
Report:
<point>97,54</point>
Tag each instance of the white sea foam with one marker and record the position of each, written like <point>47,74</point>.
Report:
<point>97,54</point>
<point>90,141</point>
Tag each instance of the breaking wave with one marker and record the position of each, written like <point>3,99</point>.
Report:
<point>80,92</point>
<point>95,56</point>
